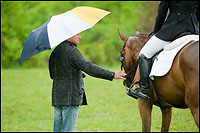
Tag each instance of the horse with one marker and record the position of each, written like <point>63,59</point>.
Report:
<point>179,88</point>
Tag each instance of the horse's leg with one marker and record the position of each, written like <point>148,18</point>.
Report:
<point>145,113</point>
<point>192,101</point>
<point>192,98</point>
<point>166,118</point>
<point>195,113</point>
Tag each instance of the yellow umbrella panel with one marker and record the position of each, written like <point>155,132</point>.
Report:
<point>89,14</point>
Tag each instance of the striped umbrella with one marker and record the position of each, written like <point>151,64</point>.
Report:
<point>59,28</point>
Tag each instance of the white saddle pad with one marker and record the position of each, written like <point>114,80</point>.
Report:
<point>165,58</point>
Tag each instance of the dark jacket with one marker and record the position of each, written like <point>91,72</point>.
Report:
<point>66,64</point>
<point>183,17</point>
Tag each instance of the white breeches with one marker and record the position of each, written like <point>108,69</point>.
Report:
<point>153,46</point>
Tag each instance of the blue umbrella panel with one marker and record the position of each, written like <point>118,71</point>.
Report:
<point>36,42</point>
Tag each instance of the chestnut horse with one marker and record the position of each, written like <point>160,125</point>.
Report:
<point>178,88</point>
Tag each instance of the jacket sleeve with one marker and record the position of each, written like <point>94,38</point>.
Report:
<point>79,62</point>
<point>197,13</point>
<point>161,15</point>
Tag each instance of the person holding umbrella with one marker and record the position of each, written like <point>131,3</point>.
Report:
<point>66,64</point>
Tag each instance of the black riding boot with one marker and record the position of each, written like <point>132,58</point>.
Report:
<point>145,69</point>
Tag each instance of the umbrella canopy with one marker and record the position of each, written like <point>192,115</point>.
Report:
<point>59,28</point>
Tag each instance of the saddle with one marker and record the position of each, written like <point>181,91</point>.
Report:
<point>161,64</point>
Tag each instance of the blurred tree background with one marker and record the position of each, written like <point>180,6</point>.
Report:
<point>100,44</point>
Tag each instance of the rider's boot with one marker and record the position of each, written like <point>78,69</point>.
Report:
<point>145,69</point>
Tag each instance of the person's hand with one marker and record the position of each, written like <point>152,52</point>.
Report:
<point>120,75</point>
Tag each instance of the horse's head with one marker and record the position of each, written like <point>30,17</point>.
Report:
<point>130,53</point>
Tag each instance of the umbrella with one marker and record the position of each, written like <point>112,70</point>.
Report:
<point>59,28</point>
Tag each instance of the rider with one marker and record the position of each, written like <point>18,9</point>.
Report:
<point>183,17</point>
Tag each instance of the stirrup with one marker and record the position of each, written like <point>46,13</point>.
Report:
<point>142,96</point>
<point>131,93</point>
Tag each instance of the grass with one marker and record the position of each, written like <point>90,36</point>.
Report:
<point>26,105</point>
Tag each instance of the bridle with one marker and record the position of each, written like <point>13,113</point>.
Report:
<point>129,73</point>
<point>121,58</point>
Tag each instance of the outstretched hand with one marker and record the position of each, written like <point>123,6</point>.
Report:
<point>120,75</point>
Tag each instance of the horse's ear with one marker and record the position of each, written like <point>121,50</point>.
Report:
<point>137,32</point>
<point>122,36</point>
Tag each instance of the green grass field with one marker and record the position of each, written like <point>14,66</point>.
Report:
<point>26,105</point>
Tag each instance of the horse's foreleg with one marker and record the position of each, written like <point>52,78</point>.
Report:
<point>195,113</point>
<point>145,113</point>
<point>192,100</point>
<point>166,118</point>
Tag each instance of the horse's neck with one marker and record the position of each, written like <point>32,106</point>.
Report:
<point>144,37</point>
<point>142,40</point>
<point>137,76</point>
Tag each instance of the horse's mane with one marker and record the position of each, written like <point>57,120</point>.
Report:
<point>143,34</point>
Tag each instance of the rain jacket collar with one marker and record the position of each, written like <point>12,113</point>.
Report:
<point>71,43</point>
